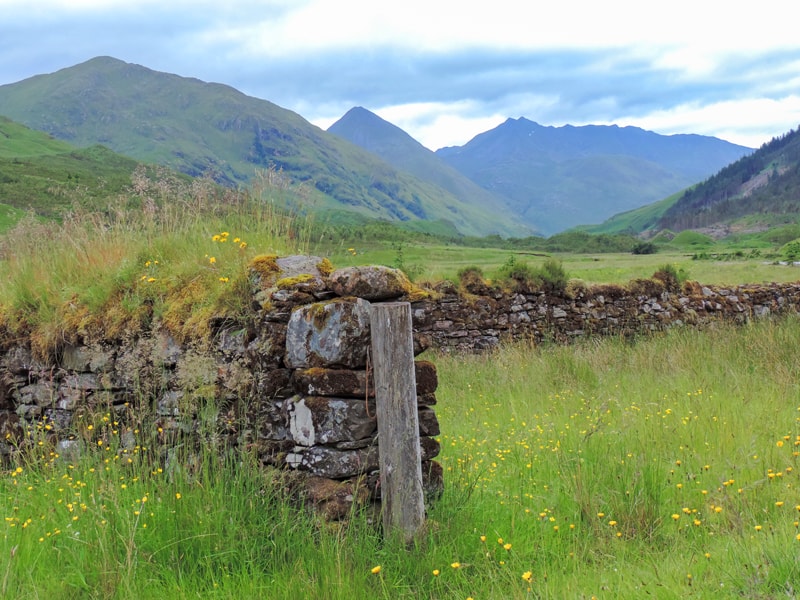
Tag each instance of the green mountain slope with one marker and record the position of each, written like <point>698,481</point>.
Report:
<point>759,190</point>
<point>18,141</point>
<point>634,221</point>
<point>46,175</point>
<point>764,183</point>
<point>198,128</point>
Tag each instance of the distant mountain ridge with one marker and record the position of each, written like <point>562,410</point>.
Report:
<point>198,128</point>
<point>560,177</point>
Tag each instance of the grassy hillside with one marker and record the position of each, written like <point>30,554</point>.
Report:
<point>634,221</point>
<point>202,128</point>
<point>48,176</point>
<point>18,141</point>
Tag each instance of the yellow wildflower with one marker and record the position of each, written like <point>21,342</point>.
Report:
<point>376,570</point>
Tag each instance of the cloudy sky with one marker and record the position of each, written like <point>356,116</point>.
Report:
<point>446,70</point>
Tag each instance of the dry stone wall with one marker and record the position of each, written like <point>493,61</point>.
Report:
<point>291,381</point>
<point>477,321</point>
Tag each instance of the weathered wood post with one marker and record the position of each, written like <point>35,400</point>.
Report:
<point>402,498</point>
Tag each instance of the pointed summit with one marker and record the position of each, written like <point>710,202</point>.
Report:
<point>396,147</point>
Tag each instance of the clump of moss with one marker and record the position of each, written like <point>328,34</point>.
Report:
<point>575,288</point>
<point>417,294</point>
<point>472,280</point>
<point>187,313</point>
<point>265,265</point>
<point>325,267</point>
<point>609,291</point>
<point>646,287</point>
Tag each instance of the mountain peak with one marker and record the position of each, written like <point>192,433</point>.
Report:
<point>366,129</point>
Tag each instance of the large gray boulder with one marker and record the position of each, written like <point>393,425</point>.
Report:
<point>329,334</point>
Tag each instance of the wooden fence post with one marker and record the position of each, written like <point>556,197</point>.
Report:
<point>402,497</point>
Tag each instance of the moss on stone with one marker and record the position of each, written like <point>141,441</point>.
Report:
<point>290,282</point>
<point>319,316</point>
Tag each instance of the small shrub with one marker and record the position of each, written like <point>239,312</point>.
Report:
<point>791,251</point>
<point>671,277</point>
<point>644,248</point>
<point>552,275</point>
<point>517,270</point>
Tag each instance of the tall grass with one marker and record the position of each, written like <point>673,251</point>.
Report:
<point>664,467</point>
<point>154,255</point>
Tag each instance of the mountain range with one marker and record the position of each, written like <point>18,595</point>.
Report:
<point>518,178</point>
<point>552,178</point>
<point>199,128</point>
<point>560,177</point>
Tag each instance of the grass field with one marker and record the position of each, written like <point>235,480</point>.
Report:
<point>665,467</point>
<point>437,262</point>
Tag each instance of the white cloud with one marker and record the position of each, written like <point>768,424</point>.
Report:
<point>445,70</point>
<point>749,122</point>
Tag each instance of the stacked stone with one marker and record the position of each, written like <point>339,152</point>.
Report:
<point>485,317</point>
<point>332,417</point>
<point>290,382</point>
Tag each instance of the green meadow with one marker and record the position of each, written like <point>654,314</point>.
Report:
<point>664,466</point>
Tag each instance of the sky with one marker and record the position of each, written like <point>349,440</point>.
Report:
<point>445,71</point>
